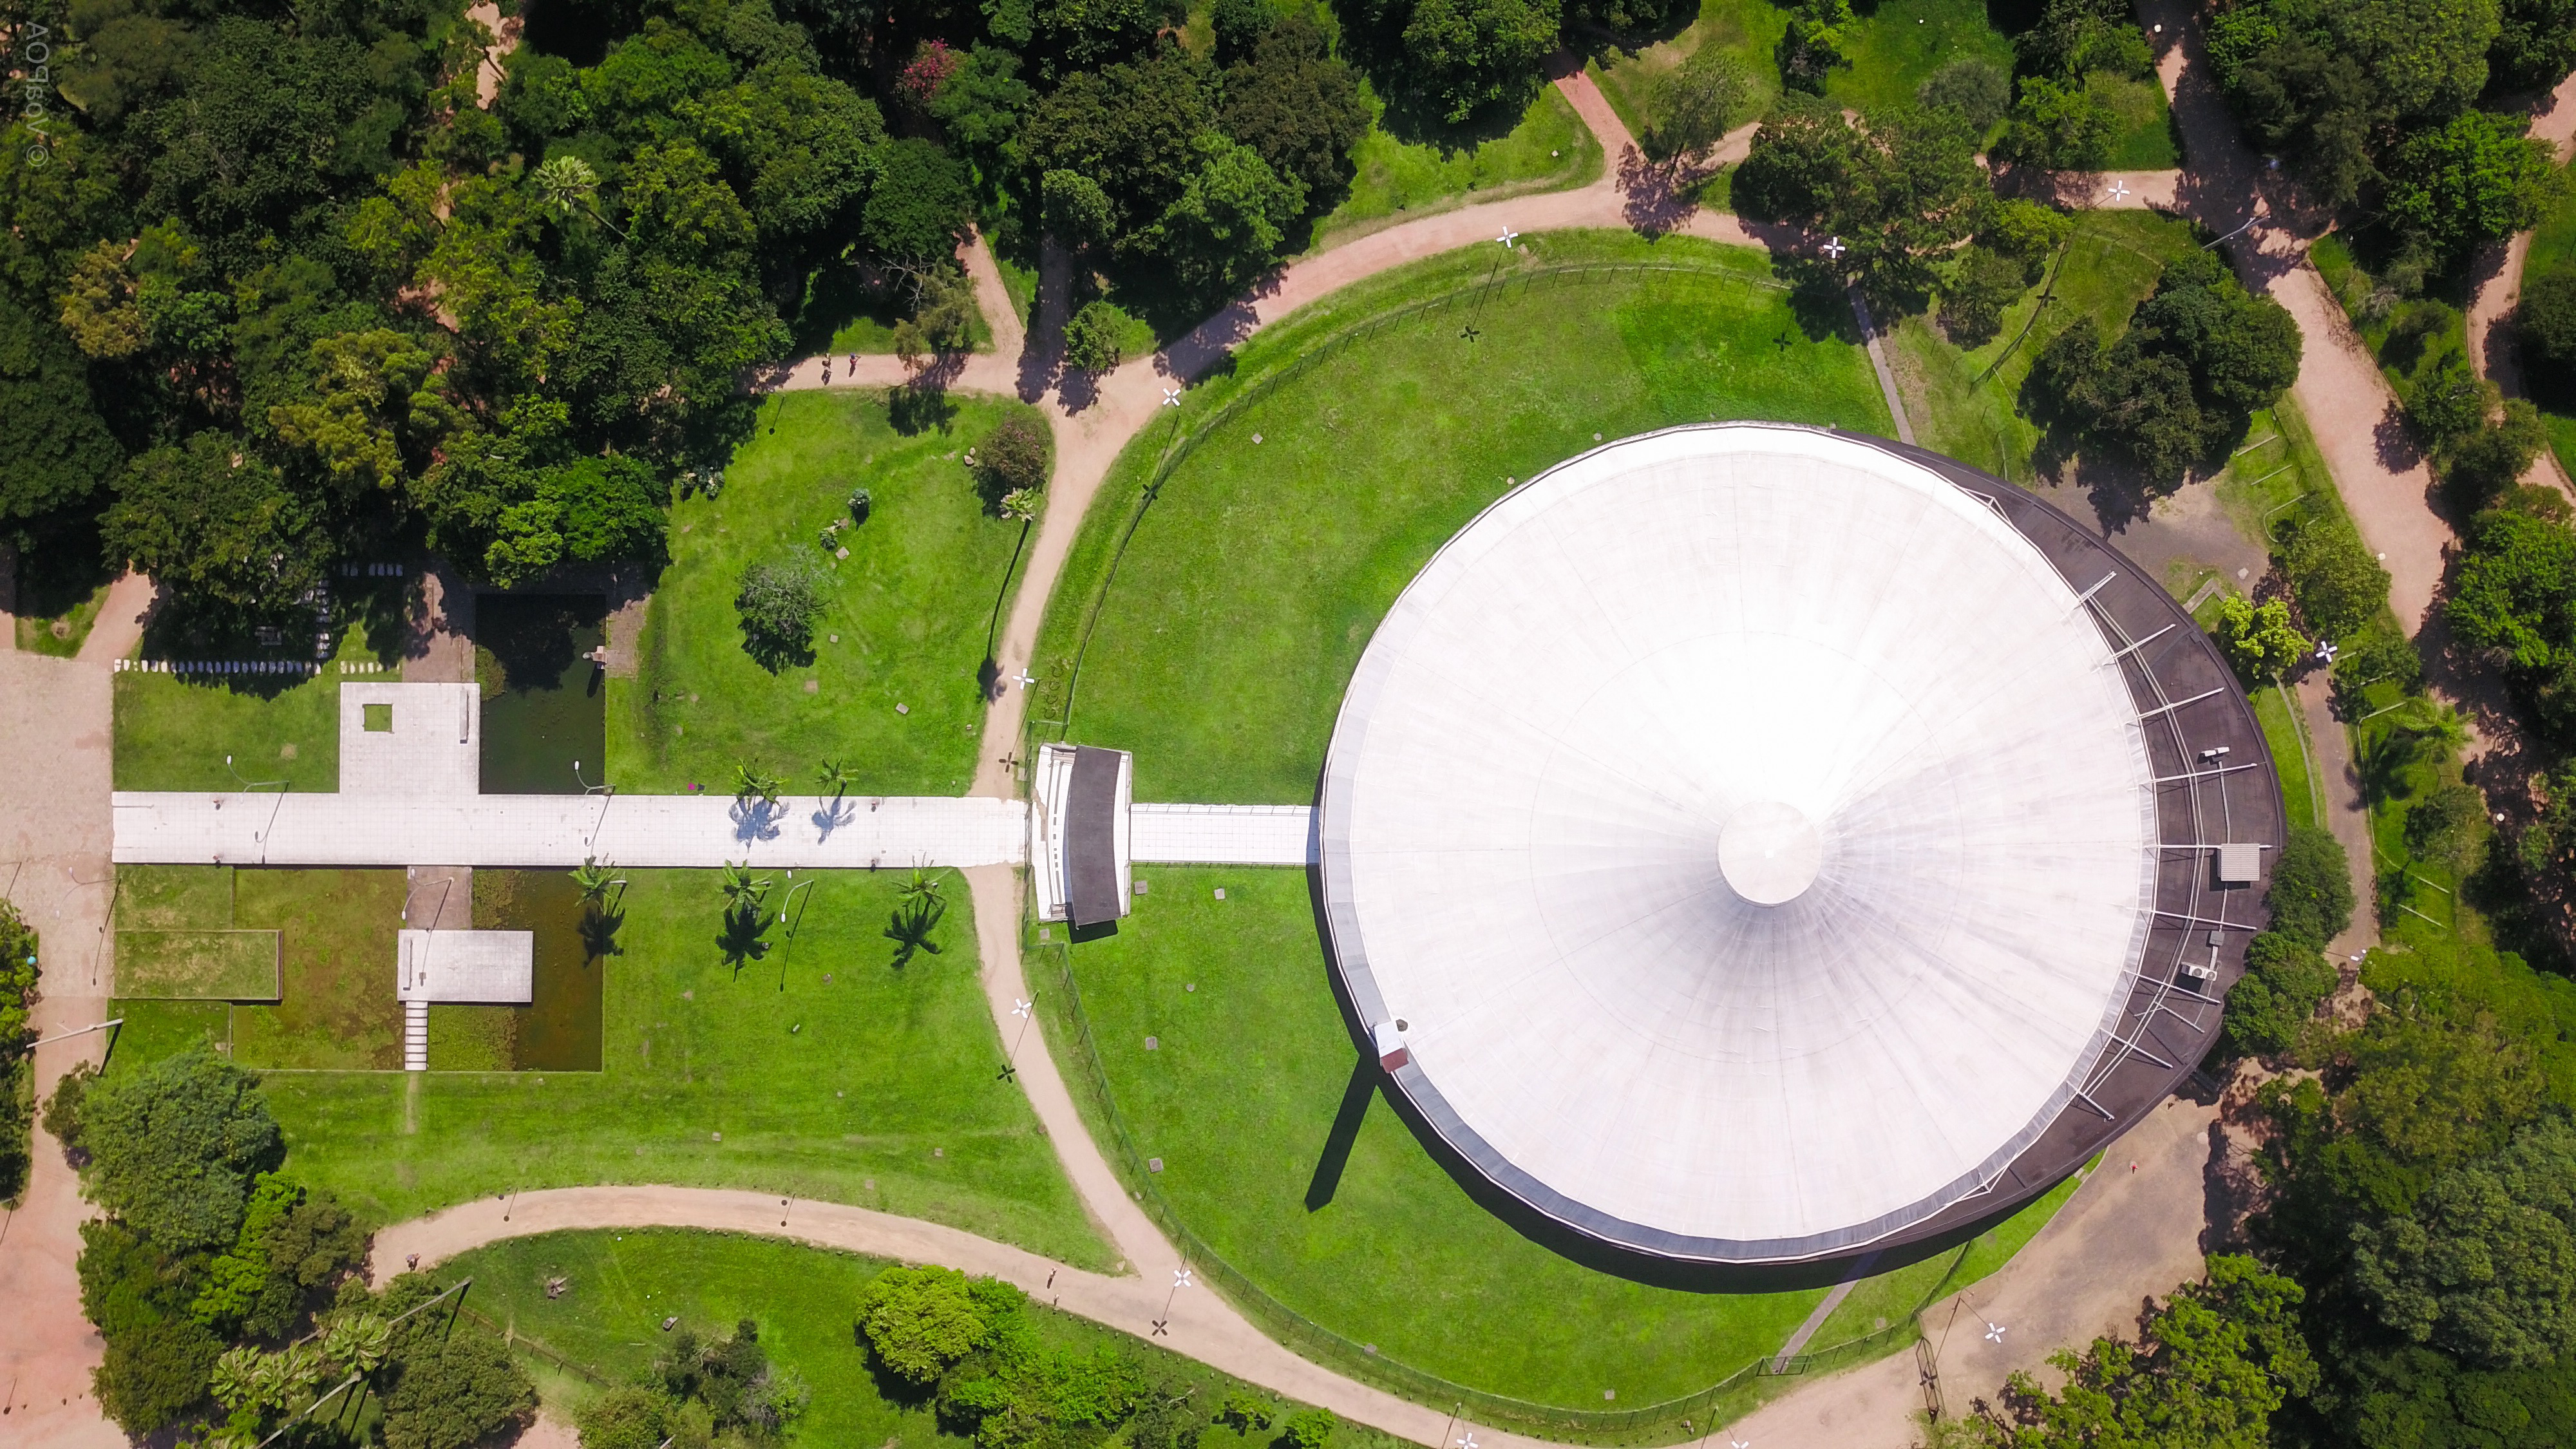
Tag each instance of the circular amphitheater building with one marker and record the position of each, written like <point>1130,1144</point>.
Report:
<point>1760,845</point>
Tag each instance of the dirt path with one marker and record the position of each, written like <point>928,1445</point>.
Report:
<point>993,298</point>
<point>54,834</point>
<point>2348,404</point>
<point>2500,285</point>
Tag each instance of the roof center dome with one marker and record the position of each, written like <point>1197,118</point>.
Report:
<point>1770,852</point>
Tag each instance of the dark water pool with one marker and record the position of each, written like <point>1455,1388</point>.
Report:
<point>560,1029</point>
<point>545,704</point>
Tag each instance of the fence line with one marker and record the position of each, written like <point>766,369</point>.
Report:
<point>511,1336</point>
<point>1363,1361</point>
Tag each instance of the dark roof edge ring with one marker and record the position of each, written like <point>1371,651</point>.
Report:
<point>2157,1036</point>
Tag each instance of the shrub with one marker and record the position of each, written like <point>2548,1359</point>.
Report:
<point>2445,826</point>
<point>2060,126</point>
<point>1310,1429</point>
<point>2545,322</point>
<point>2284,980</point>
<point>2258,638</point>
<point>627,1417</point>
<point>1977,89</point>
<point>155,1372</point>
<point>2027,232</point>
<point>2311,892</point>
<point>17,983</point>
<point>1015,455</point>
<point>452,1382</point>
<point>63,1108</point>
<point>2448,403</point>
<point>1091,338</point>
<point>778,602</point>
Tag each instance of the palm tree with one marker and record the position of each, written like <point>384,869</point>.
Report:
<point>594,880</point>
<point>2435,727</point>
<point>922,891</point>
<point>743,894</point>
<point>750,784</point>
<point>835,778</point>
<point>566,184</point>
<point>358,1343</point>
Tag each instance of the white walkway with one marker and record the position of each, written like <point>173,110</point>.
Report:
<point>854,832</point>
<point>1223,834</point>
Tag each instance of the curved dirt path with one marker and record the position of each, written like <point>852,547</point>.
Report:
<point>2499,289</point>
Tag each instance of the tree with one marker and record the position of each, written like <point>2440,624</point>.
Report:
<point>921,205</point>
<point>174,1147</point>
<point>17,984</point>
<point>629,1416</point>
<point>2545,322</point>
<point>2027,232</point>
<point>1899,191</point>
<point>979,110</point>
<point>592,879</point>
<point>2476,179</point>
<point>220,525</point>
<point>154,1373</point>
<point>2485,1264</point>
<point>2211,1366</point>
<point>1132,128</point>
<point>2492,459</point>
<point>750,783</point>
<point>448,1383</point>
<point>2060,126</point>
<point>1075,211</point>
<point>2285,978</point>
<point>1974,87</point>
<point>2515,600</point>
<point>2535,45</point>
<point>1695,104</point>
<point>1298,107</point>
<point>1226,225</point>
<point>55,450</point>
<point>1091,337</point>
<point>1016,455</point>
<point>1982,284</point>
<point>778,603</point>
<point>2337,580</point>
<point>920,1321</point>
<point>1811,49</point>
<point>2258,638</point>
<point>1469,55</point>
<point>2311,892</point>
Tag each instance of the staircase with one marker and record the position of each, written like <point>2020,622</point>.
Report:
<point>415,1036</point>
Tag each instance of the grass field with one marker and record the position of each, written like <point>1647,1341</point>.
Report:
<point>1549,149</point>
<point>329,986</point>
<point>908,615</point>
<point>1966,402</point>
<point>173,730</point>
<point>1361,1231</point>
<point>197,965</point>
<point>1259,572</point>
<point>1894,47</point>
<point>815,1069</point>
<point>624,1284</point>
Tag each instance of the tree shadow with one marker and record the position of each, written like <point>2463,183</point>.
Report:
<point>830,815</point>
<point>1346,1130</point>
<point>756,819</point>
<point>599,927</point>
<point>909,927</point>
<point>922,404</point>
<point>743,939</point>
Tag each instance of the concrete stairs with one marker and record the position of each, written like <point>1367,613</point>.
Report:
<point>415,1036</point>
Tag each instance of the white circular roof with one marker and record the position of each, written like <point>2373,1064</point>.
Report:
<point>1754,833</point>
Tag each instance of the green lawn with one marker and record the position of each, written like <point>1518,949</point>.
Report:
<point>329,988</point>
<point>1894,47</point>
<point>1966,403</point>
<point>1239,1098</point>
<point>2410,338</point>
<point>2285,734</point>
<point>2554,246</point>
<point>606,1326</point>
<point>1255,579</point>
<point>172,731</point>
<point>197,965</point>
<point>817,1069</point>
<point>61,635</point>
<point>907,620</point>
<point>1550,149</point>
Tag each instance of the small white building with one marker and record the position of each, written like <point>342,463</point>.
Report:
<point>1080,841</point>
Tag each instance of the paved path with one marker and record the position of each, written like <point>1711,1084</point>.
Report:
<point>2500,286</point>
<point>2347,402</point>
<point>53,865</point>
